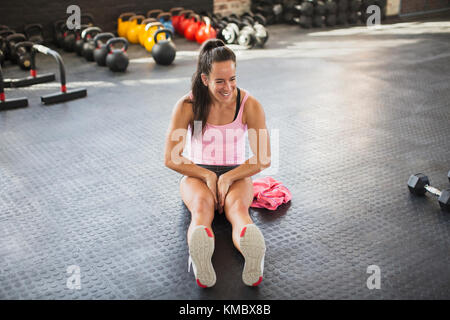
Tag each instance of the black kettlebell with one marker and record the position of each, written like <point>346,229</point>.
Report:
<point>58,32</point>
<point>11,40</point>
<point>23,52</point>
<point>79,41</point>
<point>164,51</point>
<point>34,33</point>
<point>2,54</point>
<point>101,51</point>
<point>4,44</point>
<point>117,59</point>
<point>88,46</point>
<point>70,37</point>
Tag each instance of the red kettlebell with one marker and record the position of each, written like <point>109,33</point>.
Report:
<point>191,30</point>
<point>176,16</point>
<point>205,32</point>
<point>185,22</point>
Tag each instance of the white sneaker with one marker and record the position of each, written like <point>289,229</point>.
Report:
<point>253,249</point>
<point>201,249</point>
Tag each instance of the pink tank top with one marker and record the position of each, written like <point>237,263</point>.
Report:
<point>221,145</point>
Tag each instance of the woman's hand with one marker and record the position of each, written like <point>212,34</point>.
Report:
<point>211,182</point>
<point>223,185</point>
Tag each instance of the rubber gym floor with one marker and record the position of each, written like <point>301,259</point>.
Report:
<point>356,112</point>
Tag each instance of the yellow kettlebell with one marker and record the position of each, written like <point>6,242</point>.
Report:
<point>151,29</point>
<point>142,31</point>
<point>123,22</point>
<point>133,30</point>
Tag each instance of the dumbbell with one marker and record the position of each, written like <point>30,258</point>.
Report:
<point>319,8</point>
<point>304,21</point>
<point>251,36</point>
<point>352,17</point>
<point>419,184</point>
<point>330,8</point>
<point>330,20</point>
<point>305,9</point>
<point>229,34</point>
<point>247,36</point>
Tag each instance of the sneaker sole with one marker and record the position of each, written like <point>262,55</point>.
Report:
<point>201,249</point>
<point>253,249</point>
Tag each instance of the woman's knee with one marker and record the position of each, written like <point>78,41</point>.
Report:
<point>236,206</point>
<point>202,207</point>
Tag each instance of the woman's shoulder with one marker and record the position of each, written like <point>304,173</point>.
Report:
<point>252,106</point>
<point>183,107</point>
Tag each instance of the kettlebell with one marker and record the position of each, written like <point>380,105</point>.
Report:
<point>142,31</point>
<point>166,19</point>
<point>164,51</point>
<point>192,28</point>
<point>2,54</point>
<point>117,59</point>
<point>100,51</point>
<point>79,41</point>
<point>123,23</point>
<point>88,45</point>
<point>150,30</point>
<point>70,37</point>
<point>205,32</point>
<point>34,33</point>
<point>58,33</point>
<point>4,45</point>
<point>175,12</point>
<point>11,40</point>
<point>133,28</point>
<point>23,53</point>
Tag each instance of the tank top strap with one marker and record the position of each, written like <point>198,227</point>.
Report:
<point>241,108</point>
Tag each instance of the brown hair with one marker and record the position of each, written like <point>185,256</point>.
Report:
<point>213,50</point>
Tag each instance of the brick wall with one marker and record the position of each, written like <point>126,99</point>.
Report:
<point>226,7</point>
<point>416,6</point>
<point>17,13</point>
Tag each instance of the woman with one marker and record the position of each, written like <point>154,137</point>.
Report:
<point>215,116</point>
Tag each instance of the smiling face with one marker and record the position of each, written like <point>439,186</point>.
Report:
<point>221,81</point>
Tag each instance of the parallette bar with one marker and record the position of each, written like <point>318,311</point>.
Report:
<point>64,96</point>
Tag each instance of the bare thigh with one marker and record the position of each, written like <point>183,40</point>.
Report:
<point>239,198</point>
<point>196,196</point>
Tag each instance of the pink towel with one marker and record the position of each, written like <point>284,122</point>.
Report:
<point>269,193</point>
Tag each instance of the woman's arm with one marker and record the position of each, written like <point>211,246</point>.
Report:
<point>176,140</point>
<point>258,137</point>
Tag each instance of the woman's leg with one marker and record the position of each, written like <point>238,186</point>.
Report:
<point>237,202</point>
<point>247,237</point>
<point>200,202</point>
<point>198,199</point>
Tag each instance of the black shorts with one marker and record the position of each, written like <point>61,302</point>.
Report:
<point>218,170</point>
